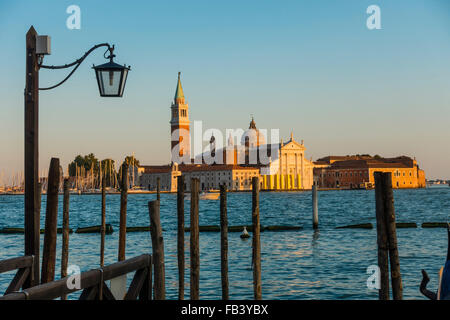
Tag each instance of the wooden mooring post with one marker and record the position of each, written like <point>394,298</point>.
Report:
<point>103,225</point>
<point>382,240</point>
<point>123,212</point>
<point>31,157</point>
<point>65,232</point>
<point>194,241</point>
<point>158,188</point>
<point>387,237</point>
<point>51,219</point>
<point>180,236</point>
<point>224,241</point>
<point>256,244</point>
<point>158,250</point>
<point>396,279</point>
<point>315,207</point>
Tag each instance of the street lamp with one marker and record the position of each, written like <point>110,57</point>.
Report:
<point>111,79</point>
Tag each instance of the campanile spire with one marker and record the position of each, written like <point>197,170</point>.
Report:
<point>179,95</point>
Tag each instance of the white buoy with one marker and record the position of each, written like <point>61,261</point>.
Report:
<point>244,233</point>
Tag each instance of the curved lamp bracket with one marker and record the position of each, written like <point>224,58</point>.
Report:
<point>78,62</point>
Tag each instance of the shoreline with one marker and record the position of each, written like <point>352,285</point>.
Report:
<point>216,191</point>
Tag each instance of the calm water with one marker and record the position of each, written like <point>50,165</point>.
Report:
<point>328,264</point>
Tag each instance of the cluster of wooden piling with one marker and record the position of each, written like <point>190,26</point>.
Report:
<point>158,243</point>
<point>51,230</point>
<point>388,257</point>
<point>93,281</point>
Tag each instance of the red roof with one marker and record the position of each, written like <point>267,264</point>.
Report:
<point>350,164</point>
<point>196,167</point>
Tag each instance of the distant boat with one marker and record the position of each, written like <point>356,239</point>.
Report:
<point>209,196</point>
<point>204,196</point>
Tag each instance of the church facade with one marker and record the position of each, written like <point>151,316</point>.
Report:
<point>290,170</point>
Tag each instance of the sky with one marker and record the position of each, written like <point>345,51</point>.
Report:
<point>311,67</point>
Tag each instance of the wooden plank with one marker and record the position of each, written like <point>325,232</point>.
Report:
<point>95,229</point>
<point>107,294</point>
<point>224,242</point>
<point>18,280</point>
<point>55,289</point>
<point>138,229</point>
<point>180,236</point>
<point>158,250</point>
<point>89,293</point>
<point>405,225</point>
<point>9,230</point>
<point>256,244</point>
<point>194,241</point>
<point>146,291</point>
<point>136,284</point>
<point>15,263</point>
<point>434,225</point>
<point>51,220</point>
<point>382,240</point>
<point>357,226</point>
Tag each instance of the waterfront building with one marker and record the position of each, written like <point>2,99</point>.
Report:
<point>236,178</point>
<point>280,166</point>
<point>285,166</point>
<point>353,172</point>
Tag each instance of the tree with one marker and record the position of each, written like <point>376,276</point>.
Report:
<point>87,162</point>
<point>108,169</point>
<point>132,161</point>
<point>133,165</point>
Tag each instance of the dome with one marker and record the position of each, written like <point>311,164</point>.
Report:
<point>252,137</point>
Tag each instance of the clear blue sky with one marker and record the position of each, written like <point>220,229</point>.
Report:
<point>310,66</point>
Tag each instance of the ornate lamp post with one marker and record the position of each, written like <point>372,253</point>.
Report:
<point>111,79</point>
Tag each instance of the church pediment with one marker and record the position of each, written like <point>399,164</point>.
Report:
<point>293,145</point>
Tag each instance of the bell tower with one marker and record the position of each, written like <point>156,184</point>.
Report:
<point>179,126</point>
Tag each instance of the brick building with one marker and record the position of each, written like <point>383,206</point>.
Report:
<point>235,177</point>
<point>353,172</point>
